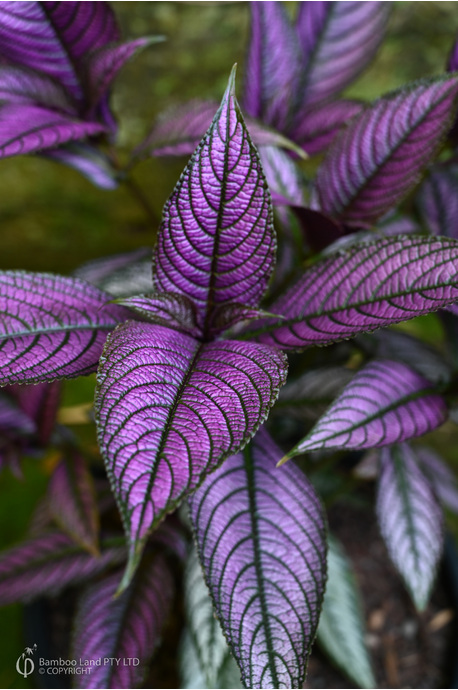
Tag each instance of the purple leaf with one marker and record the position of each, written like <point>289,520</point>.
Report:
<point>73,503</point>
<point>21,85</point>
<point>104,64</point>
<point>14,422</point>
<point>179,129</point>
<point>285,180</point>
<point>40,402</point>
<point>55,38</point>
<point>316,127</point>
<point>51,327</point>
<point>28,129</point>
<point>216,243</point>
<point>48,563</point>
<point>261,539</point>
<point>167,309</point>
<point>122,275</point>
<point>319,231</point>
<point>391,344</point>
<point>126,627</point>
<point>410,520</point>
<point>452,64</point>
<point>362,288</point>
<point>272,67</point>
<point>206,659</point>
<point>338,39</point>
<point>385,403</point>
<point>88,160</point>
<point>376,160</point>
<point>440,475</point>
<point>438,200</point>
<point>169,409</point>
<point>396,224</point>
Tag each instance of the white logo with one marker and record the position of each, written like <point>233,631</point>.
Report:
<point>25,665</point>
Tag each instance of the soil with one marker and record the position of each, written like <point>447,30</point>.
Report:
<point>408,649</point>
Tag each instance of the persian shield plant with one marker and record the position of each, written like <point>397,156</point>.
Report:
<point>187,374</point>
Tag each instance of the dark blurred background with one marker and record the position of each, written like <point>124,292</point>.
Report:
<point>52,219</point>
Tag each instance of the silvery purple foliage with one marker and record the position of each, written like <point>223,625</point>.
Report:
<point>386,402</point>
<point>410,519</point>
<point>261,540</point>
<point>125,627</point>
<point>58,63</point>
<point>438,200</point>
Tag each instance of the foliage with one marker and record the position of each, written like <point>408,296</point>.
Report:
<point>191,359</point>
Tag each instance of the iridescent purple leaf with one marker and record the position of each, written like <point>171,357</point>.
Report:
<point>169,409</point>
<point>104,64</point>
<point>48,563</point>
<point>167,309</point>
<point>14,422</point>
<point>316,127</point>
<point>376,160</point>
<point>40,402</point>
<point>180,129</point>
<point>319,231</point>
<point>124,628</point>
<point>338,39</point>
<point>206,659</point>
<point>88,160</point>
<point>363,288</point>
<point>386,402</point>
<point>273,65</point>
<point>21,85</point>
<point>452,64</point>
<point>73,503</point>
<point>122,275</point>
<point>29,128</point>
<point>261,540</point>
<point>438,200</point>
<point>341,628</point>
<point>216,243</point>
<point>285,180</point>
<point>440,475</point>
<point>54,38</point>
<point>51,327</point>
<point>410,520</point>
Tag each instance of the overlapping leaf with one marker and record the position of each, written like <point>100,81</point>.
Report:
<point>376,160</point>
<point>51,327</point>
<point>438,200</point>
<point>410,520</point>
<point>167,309</point>
<point>21,85</point>
<point>261,540</point>
<point>72,501</point>
<point>341,628</point>
<point>88,160</point>
<point>50,562</point>
<point>440,475</point>
<point>338,39</point>
<point>122,275</point>
<point>40,403</point>
<point>55,37</point>
<point>126,627</point>
<point>316,128</point>
<point>170,408</point>
<point>216,243</point>
<point>206,659</point>
<point>363,288</point>
<point>30,128</point>
<point>386,402</point>
<point>286,183</point>
<point>273,65</point>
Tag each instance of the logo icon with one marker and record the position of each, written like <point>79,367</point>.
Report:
<point>25,665</point>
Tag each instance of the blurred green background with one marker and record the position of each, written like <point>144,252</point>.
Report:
<point>52,219</point>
